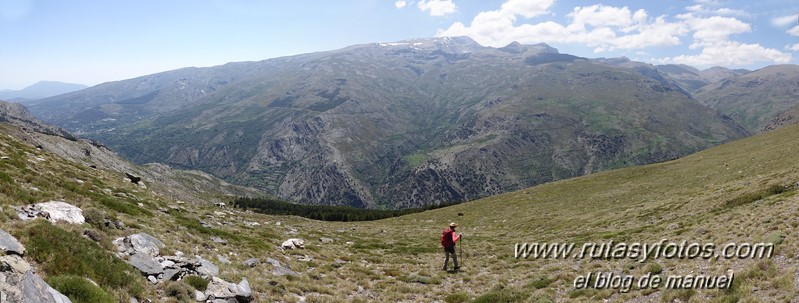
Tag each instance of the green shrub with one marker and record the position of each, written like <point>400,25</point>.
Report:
<point>180,291</point>
<point>541,282</point>
<point>756,196</point>
<point>775,237</point>
<point>123,207</point>
<point>79,289</point>
<point>655,268</point>
<point>197,282</point>
<point>61,252</point>
<point>95,217</point>
<point>500,296</point>
<point>458,297</point>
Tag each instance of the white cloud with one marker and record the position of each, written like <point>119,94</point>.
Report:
<point>710,30</point>
<point>400,4</point>
<point>607,28</point>
<point>709,2</point>
<point>526,8</point>
<point>784,20</point>
<point>437,7</point>
<point>701,9</point>
<point>731,53</point>
<point>600,27</point>
<point>794,31</point>
<point>794,47</point>
<point>600,15</point>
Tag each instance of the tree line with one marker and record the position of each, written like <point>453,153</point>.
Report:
<point>272,206</point>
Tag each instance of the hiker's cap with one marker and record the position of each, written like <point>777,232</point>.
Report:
<point>453,224</point>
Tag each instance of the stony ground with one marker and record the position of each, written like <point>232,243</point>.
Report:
<point>721,195</point>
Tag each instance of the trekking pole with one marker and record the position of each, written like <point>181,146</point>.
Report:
<point>460,247</point>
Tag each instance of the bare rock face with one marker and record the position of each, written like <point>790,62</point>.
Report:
<point>53,211</point>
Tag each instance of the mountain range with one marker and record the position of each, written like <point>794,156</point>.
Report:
<point>39,90</point>
<point>409,123</point>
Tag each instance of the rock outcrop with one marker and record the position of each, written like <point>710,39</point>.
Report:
<point>143,252</point>
<point>53,211</point>
<point>139,243</point>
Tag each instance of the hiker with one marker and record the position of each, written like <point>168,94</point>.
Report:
<point>448,240</point>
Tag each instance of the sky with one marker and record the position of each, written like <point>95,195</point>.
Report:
<point>95,41</point>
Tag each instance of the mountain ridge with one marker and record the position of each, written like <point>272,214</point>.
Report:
<point>39,90</point>
<point>395,125</point>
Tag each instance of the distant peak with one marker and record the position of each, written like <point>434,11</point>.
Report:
<point>518,48</point>
<point>460,44</point>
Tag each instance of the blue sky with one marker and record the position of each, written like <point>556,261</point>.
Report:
<point>90,42</point>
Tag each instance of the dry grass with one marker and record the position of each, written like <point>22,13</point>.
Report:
<point>399,259</point>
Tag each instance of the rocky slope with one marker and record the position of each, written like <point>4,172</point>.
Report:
<point>755,99</point>
<point>190,186</point>
<point>397,124</point>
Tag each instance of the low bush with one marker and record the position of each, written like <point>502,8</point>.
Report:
<point>62,252</point>
<point>180,291</point>
<point>197,282</point>
<point>79,289</point>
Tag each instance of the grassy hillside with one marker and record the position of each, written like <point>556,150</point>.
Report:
<point>732,193</point>
<point>754,99</point>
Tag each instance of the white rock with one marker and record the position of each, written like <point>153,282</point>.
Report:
<point>16,263</point>
<point>62,211</point>
<point>293,243</point>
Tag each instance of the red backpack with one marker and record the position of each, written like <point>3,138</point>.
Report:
<point>446,238</point>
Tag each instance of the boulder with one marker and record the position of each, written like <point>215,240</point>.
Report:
<point>223,291</point>
<point>251,262</point>
<point>139,243</point>
<point>172,273</point>
<point>207,268</point>
<point>145,243</point>
<point>35,290</point>
<point>279,269</point>
<point>218,240</point>
<point>326,240</point>
<point>62,211</point>
<point>219,289</point>
<point>146,264</point>
<point>14,263</point>
<point>244,292</point>
<point>200,296</point>
<point>9,244</point>
<point>293,243</point>
<point>53,211</point>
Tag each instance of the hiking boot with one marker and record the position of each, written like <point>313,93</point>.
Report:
<point>457,267</point>
<point>444,269</point>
